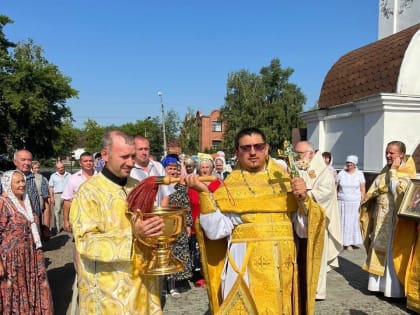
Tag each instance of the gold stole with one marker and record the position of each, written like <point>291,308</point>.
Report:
<point>412,280</point>
<point>375,262</point>
<point>253,196</point>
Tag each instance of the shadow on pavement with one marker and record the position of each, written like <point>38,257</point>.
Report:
<point>61,281</point>
<point>356,312</point>
<point>56,242</point>
<point>358,279</point>
<point>354,274</point>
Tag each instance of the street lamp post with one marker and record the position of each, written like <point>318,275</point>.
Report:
<point>165,148</point>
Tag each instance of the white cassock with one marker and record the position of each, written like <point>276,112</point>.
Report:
<point>321,187</point>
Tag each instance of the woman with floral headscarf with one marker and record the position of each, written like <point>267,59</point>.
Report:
<point>23,277</point>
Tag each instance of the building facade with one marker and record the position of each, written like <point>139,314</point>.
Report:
<point>369,97</point>
<point>397,15</point>
<point>211,131</point>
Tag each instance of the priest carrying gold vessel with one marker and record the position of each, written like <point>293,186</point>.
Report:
<point>247,232</point>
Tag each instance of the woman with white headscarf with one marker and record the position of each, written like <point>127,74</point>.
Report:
<point>24,285</point>
<point>351,191</point>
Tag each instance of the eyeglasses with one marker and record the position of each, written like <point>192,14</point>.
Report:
<point>248,147</point>
<point>302,152</point>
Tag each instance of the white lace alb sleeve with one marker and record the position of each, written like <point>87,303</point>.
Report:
<point>216,225</point>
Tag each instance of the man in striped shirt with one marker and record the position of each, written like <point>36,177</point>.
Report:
<point>23,162</point>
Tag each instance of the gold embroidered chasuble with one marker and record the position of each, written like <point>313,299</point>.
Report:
<point>266,205</point>
<point>412,276</point>
<point>381,206</point>
<point>109,260</point>
<point>378,212</point>
<point>406,247</point>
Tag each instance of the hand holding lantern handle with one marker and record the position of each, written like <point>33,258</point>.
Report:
<point>166,180</point>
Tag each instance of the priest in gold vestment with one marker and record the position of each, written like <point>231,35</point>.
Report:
<point>392,242</point>
<point>109,259</point>
<point>410,273</point>
<point>247,232</point>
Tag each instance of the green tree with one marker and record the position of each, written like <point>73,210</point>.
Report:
<point>266,100</point>
<point>93,134</point>
<point>5,71</point>
<point>33,98</point>
<point>172,124</point>
<point>155,137</point>
<point>189,137</point>
<point>150,128</point>
<point>67,140</point>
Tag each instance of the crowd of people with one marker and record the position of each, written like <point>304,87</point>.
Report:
<point>296,223</point>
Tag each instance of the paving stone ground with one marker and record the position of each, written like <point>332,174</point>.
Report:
<point>346,287</point>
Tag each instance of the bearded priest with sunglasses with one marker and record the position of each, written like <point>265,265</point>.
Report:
<point>247,232</point>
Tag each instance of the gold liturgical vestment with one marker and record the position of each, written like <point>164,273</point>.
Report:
<point>376,227</point>
<point>109,259</point>
<point>267,278</point>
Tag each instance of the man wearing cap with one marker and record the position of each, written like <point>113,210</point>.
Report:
<point>321,188</point>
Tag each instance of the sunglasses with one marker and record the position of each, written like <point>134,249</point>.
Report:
<point>248,147</point>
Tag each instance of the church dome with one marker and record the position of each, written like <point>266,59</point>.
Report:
<point>389,65</point>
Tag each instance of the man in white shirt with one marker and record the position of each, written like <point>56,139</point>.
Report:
<point>56,184</point>
<point>86,171</point>
<point>145,167</point>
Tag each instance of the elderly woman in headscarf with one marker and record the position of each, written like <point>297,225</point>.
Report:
<point>220,167</point>
<point>189,164</point>
<point>205,167</point>
<point>24,285</point>
<point>350,193</point>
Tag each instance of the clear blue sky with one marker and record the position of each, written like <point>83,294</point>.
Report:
<point>119,54</point>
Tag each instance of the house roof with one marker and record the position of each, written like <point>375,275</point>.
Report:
<point>366,71</point>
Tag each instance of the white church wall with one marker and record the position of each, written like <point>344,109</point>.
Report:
<point>409,79</point>
<point>365,127</point>
<point>338,130</point>
<point>408,14</point>
<point>314,125</point>
<point>373,141</point>
<point>406,130</point>
<point>344,137</point>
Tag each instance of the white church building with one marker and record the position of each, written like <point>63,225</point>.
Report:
<point>369,97</point>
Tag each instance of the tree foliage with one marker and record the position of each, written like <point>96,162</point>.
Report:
<point>155,136</point>
<point>150,128</point>
<point>172,125</point>
<point>33,98</point>
<point>189,137</point>
<point>93,134</point>
<point>67,140</point>
<point>266,100</point>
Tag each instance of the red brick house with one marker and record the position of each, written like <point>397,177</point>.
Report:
<point>211,131</point>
